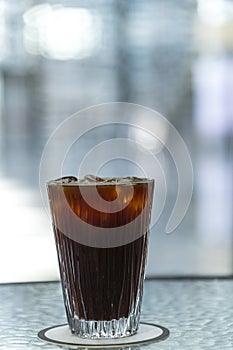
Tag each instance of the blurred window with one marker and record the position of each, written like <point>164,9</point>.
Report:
<point>57,57</point>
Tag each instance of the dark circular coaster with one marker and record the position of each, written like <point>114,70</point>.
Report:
<point>61,335</point>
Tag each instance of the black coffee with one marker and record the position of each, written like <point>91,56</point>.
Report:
<point>101,283</point>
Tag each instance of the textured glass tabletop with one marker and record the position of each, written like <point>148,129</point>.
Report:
<point>198,313</point>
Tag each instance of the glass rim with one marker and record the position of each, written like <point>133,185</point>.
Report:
<point>100,183</point>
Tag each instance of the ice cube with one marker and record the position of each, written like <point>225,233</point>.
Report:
<point>66,179</point>
<point>93,178</point>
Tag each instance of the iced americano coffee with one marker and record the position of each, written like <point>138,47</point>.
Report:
<point>101,229</point>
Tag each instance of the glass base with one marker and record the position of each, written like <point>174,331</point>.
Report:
<point>62,336</point>
<point>105,329</point>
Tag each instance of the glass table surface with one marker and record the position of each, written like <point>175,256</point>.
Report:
<point>198,313</point>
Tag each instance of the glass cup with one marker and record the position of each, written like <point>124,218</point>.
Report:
<point>101,229</point>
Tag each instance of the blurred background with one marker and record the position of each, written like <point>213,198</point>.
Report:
<point>57,57</point>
